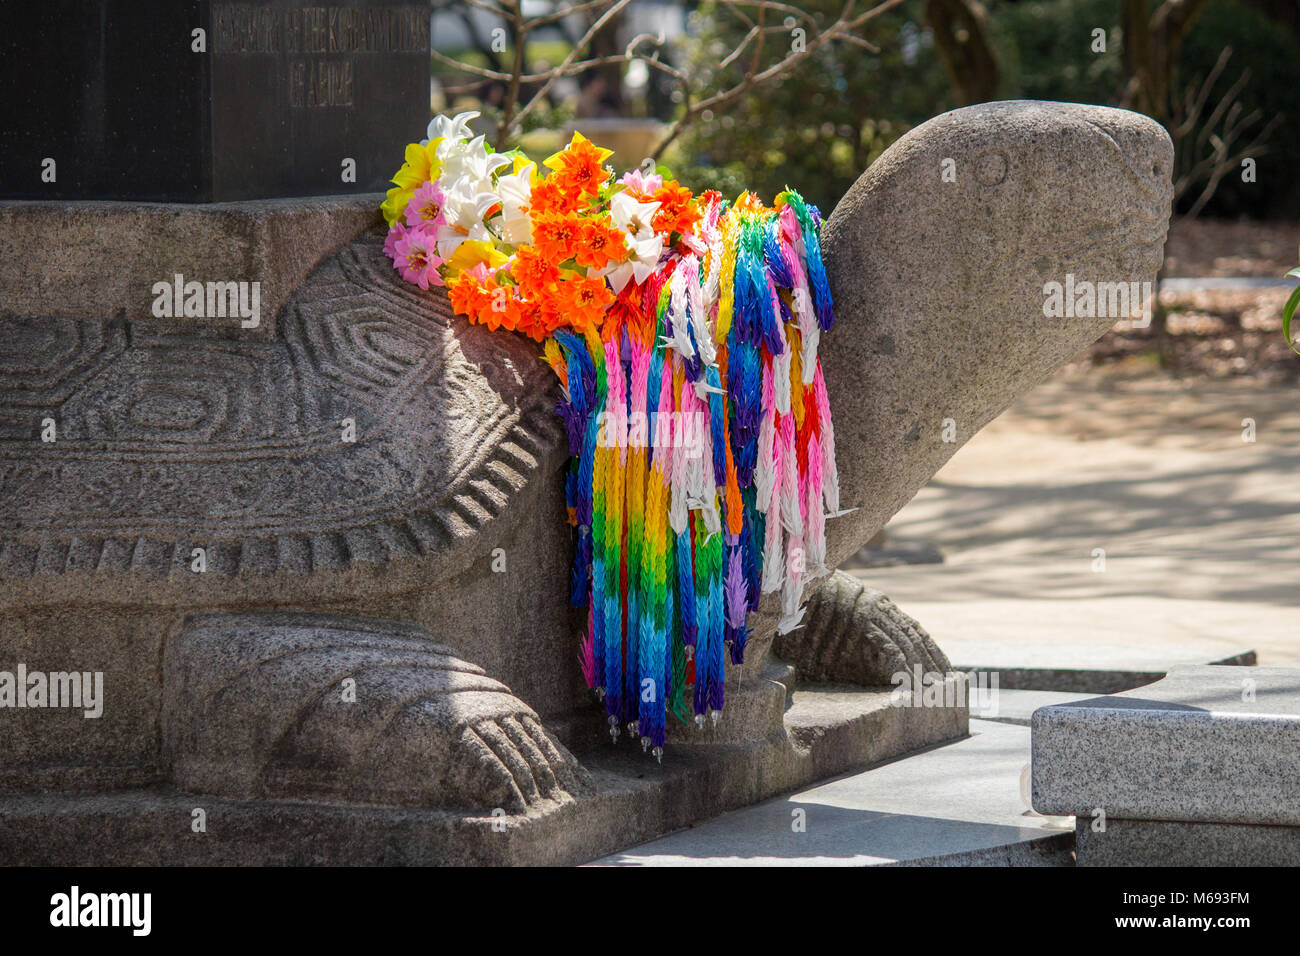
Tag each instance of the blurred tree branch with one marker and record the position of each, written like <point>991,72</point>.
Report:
<point>1153,41</point>
<point>525,92</point>
<point>961,35</point>
<point>1210,145</point>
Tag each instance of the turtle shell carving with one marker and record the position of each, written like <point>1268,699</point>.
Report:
<point>373,426</point>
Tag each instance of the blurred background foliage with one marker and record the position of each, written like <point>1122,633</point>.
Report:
<point>822,125</point>
<point>825,123</point>
<point>830,116</point>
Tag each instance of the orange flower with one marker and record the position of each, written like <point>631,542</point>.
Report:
<point>466,295</point>
<point>580,166</point>
<point>518,314</point>
<point>676,211</point>
<point>549,195</point>
<point>534,272</point>
<point>537,321</point>
<point>494,306</point>
<point>601,244</point>
<point>581,301</point>
<point>557,236</point>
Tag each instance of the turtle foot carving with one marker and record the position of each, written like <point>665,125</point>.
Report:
<point>855,634</point>
<point>327,708</point>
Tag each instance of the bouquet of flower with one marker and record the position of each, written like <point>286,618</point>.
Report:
<point>522,252</point>
<point>684,332</point>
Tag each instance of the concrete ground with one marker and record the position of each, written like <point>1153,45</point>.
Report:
<point>1200,529</point>
<point>954,804</point>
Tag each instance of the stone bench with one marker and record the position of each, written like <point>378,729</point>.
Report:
<point>1201,768</point>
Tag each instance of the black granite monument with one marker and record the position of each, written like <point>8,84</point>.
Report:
<point>200,101</point>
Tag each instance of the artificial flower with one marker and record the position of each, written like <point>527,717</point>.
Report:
<point>462,220</point>
<point>580,165</point>
<point>474,252</point>
<point>416,260</point>
<point>641,185</point>
<point>469,161</point>
<point>645,245</point>
<point>425,206</point>
<point>557,236</point>
<point>601,243</point>
<point>549,196</point>
<point>420,166</point>
<point>397,232</point>
<point>515,191</point>
<point>541,319</point>
<point>455,128</point>
<point>677,213</point>
<point>535,274</point>
<point>637,268</point>
<point>466,294</point>
<point>582,300</point>
<point>632,216</point>
<point>494,309</point>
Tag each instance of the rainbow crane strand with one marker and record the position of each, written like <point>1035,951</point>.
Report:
<point>703,465</point>
<point>683,331</point>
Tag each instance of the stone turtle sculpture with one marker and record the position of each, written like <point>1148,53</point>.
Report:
<point>236,530</point>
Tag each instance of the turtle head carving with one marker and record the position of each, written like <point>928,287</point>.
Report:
<point>938,257</point>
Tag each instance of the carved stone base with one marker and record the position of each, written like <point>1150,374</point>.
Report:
<point>825,731</point>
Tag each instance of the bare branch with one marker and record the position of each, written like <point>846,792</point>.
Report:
<point>730,57</point>
<point>471,87</point>
<point>573,69</point>
<point>471,68</point>
<point>841,29</point>
<point>578,47</point>
<point>549,18</point>
<point>489,6</point>
<point>763,5</point>
<point>1196,99</point>
<point>1206,146</point>
<point>512,91</point>
<point>859,41</point>
<point>871,14</point>
<point>755,14</point>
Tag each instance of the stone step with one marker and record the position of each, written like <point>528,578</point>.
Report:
<point>1167,843</point>
<point>954,804</point>
<point>1204,744</point>
<point>825,731</point>
<point>1018,706</point>
<point>1085,666</point>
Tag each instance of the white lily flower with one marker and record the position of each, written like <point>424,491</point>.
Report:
<point>515,191</point>
<point>461,214</point>
<point>456,128</point>
<point>633,217</point>
<point>643,261</point>
<point>469,160</point>
<point>449,238</point>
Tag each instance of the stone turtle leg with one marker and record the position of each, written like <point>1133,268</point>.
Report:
<point>353,710</point>
<point>854,634</point>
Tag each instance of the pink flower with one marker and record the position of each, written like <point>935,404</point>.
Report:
<point>416,260</point>
<point>426,206</point>
<point>635,179</point>
<point>395,235</point>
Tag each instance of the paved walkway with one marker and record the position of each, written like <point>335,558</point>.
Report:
<point>1231,284</point>
<point>961,802</point>
<point>1200,529</point>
